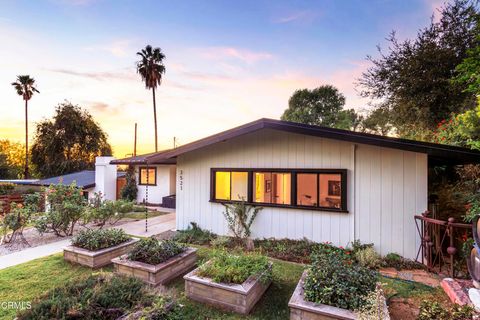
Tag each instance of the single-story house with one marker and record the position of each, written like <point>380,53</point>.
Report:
<point>103,179</point>
<point>313,182</point>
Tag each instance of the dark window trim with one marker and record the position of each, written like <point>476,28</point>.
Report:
<point>293,198</point>
<point>140,176</point>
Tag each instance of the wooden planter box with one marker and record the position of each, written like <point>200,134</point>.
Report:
<point>240,298</point>
<point>300,309</point>
<point>99,258</point>
<point>157,274</point>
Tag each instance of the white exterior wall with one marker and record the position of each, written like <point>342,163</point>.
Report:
<point>386,188</point>
<point>105,178</point>
<point>165,184</point>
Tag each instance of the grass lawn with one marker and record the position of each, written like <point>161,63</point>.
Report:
<point>26,281</point>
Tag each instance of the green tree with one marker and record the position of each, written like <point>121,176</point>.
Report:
<point>11,160</point>
<point>129,191</point>
<point>25,87</point>
<point>68,142</point>
<point>151,69</point>
<point>413,79</point>
<point>468,72</point>
<point>378,122</point>
<point>322,106</point>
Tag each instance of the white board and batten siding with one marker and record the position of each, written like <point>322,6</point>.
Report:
<point>385,189</point>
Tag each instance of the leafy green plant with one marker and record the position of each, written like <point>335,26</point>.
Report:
<point>153,251</point>
<point>18,217</point>
<point>129,191</point>
<point>286,249</point>
<point>96,297</point>
<point>100,211</point>
<point>224,267</point>
<point>394,260</point>
<point>6,188</point>
<point>368,258</point>
<point>375,306</point>
<point>435,311</point>
<point>98,239</point>
<point>194,235</point>
<point>221,242</point>
<point>65,207</point>
<point>240,217</point>
<point>357,245</point>
<point>335,280</point>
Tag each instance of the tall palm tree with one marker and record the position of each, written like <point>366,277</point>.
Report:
<point>151,69</point>
<point>25,87</point>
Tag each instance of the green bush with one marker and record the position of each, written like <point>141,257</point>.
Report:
<point>6,188</point>
<point>221,242</point>
<point>286,249</point>
<point>130,190</point>
<point>375,307</point>
<point>393,260</point>
<point>18,217</point>
<point>335,280</point>
<point>153,251</point>
<point>368,258</point>
<point>65,207</point>
<point>95,297</point>
<point>101,211</point>
<point>194,235</point>
<point>98,239</point>
<point>435,311</point>
<point>231,268</point>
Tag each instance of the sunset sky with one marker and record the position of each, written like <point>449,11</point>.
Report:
<point>227,62</point>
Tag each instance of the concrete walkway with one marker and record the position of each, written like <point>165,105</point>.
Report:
<point>156,225</point>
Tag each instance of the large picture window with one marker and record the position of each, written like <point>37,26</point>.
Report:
<point>317,189</point>
<point>147,176</point>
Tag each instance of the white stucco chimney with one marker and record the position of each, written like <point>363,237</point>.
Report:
<point>106,177</point>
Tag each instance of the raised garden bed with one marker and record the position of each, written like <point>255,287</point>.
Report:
<point>301,309</point>
<point>160,273</point>
<point>240,298</point>
<point>98,258</point>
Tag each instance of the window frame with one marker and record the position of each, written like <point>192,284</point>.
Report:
<point>293,189</point>
<point>213,184</point>
<point>140,176</point>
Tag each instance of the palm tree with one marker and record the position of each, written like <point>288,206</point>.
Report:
<point>25,87</point>
<point>151,69</point>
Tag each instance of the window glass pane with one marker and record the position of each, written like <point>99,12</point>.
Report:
<point>307,189</point>
<point>281,188</point>
<point>239,186</point>
<point>147,179</point>
<point>271,187</point>
<point>222,185</point>
<point>330,190</point>
<point>262,187</point>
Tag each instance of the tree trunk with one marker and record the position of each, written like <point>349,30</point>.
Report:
<point>26,140</point>
<point>155,119</point>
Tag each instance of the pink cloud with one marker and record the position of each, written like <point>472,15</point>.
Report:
<point>244,55</point>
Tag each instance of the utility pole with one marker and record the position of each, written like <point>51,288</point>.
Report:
<point>174,142</point>
<point>135,142</point>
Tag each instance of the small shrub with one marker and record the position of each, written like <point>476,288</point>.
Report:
<point>375,307</point>
<point>18,217</point>
<point>98,239</point>
<point>153,251</point>
<point>194,235</point>
<point>130,190</point>
<point>240,217</point>
<point>435,311</point>
<point>221,242</point>
<point>368,258</point>
<point>357,245</point>
<point>66,206</point>
<point>231,268</point>
<point>95,297</point>
<point>100,211</point>
<point>393,260</point>
<point>6,188</point>
<point>286,249</point>
<point>334,280</point>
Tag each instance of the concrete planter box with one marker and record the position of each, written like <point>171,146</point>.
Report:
<point>157,274</point>
<point>99,258</point>
<point>240,298</point>
<point>300,309</point>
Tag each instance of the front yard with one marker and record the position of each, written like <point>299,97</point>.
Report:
<point>25,282</point>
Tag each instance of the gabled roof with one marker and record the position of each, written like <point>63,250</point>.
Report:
<point>441,152</point>
<point>142,159</point>
<point>83,179</point>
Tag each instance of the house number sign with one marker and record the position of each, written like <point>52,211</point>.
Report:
<point>180,177</point>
